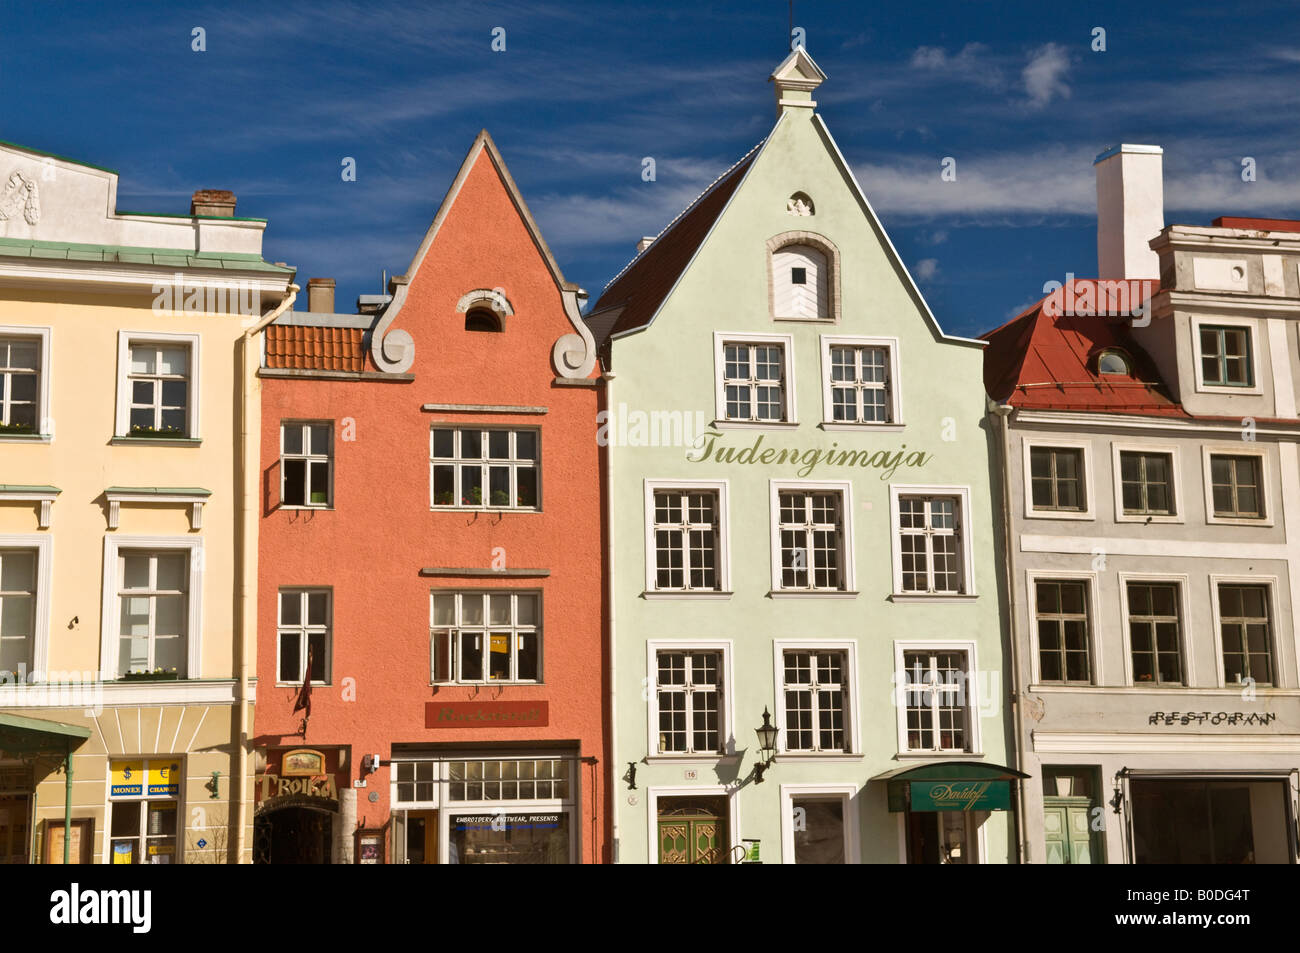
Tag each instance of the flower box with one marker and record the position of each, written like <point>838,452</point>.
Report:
<point>150,677</point>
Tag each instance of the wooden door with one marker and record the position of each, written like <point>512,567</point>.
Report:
<point>1067,829</point>
<point>693,830</point>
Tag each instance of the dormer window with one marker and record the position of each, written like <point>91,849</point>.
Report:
<point>481,319</point>
<point>803,277</point>
<point>1113,362</point>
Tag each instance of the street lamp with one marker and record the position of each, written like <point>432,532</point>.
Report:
<point>766,746</point>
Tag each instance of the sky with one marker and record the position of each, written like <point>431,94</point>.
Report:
<point>1014,92</point>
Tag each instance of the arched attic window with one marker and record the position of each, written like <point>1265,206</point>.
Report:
<point>482,319</point>
<point>1114,362</point>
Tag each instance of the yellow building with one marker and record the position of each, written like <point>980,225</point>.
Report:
<point>128,534</point>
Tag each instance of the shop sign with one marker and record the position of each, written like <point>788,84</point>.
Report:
<point>126,779</point>
<point>961,796</point>
<point>486,714</point>
<point>1211,718</point>
<point>302,762</point>
<point>271,786</point>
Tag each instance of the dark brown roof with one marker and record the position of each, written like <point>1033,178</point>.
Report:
<point>317,349</point>
<point>643,285</point>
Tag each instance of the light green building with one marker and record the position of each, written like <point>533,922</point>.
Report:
<point>801,514</point>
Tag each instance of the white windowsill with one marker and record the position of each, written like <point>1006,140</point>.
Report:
<point>813,594</point>
<point>837,425</point>
<point>703,594</point>
<point>930,597</point>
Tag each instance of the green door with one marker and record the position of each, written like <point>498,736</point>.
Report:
<point>692,831</point>
<point>1067,830</point>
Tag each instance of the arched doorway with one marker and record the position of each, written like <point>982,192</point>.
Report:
<point>293,835</point>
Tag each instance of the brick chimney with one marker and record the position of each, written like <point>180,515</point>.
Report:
<point>320,295</point>
<point>1130,211</point>
<point>217,203</point>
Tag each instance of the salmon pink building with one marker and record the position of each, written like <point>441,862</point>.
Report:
<point>430,558</point>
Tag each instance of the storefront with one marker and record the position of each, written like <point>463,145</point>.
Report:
<point>481,807</point>
<point>299,817</point>
<point>945,805</point>
<point>31,748</point>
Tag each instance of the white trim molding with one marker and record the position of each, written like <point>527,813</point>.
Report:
<point>1266,495</point>
<point>726,714</point>
<point>846,794</point>
<point>125,339</point>
<point>848,575</point>
<point>893,392</point>
<point>1178,511</point>
<point>1046,442</point>
<point>42,495</point>
<point>44,414</point>
<point>1186,655</point>
<point>723,542</point>
<point>849,694</point>
<point>1090,581</point>
<point>117,496</point>
<point>44,545</point>
<point>110,617</point>
<point>786,341</point>
<point>964,521</point>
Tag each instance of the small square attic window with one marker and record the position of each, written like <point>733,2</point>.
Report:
<point>798,276</point>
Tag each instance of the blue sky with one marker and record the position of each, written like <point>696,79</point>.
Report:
<point>1012,91</point>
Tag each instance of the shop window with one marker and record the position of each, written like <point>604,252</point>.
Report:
<point>415,782</point>
<point>144,797</point>
<point>1201,821</point>
<point>492,637</point>
<point>304,636</point>
<point>473,468</point>
<point>306,463</point>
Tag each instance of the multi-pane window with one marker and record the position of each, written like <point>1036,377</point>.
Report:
<point>159,385</point>
<point>304,633</point>
<point>814,685</point>
<point>754,384</point>
<point>1154,625</point>
<point>860,384</point>
<point>17,609</point>
<point>1062,631</point>
<point>153,595</point>
<point>496,469</point>
<point>1247,633</point>
<point>415,782</point>
<point>686,539</point>
<point>811,527</point>
<point>305,463</point>
<point>144,802</point>
<point>935,695</point>
<point>930,544</point>
<point>523,779</point>
<point>688,696</point>
<point>1056,480</point>
<point>1236,487</point>
<point>1146,483</point>
<point>1225,357</point>
<point>20,372</point>
<point>486,637</point>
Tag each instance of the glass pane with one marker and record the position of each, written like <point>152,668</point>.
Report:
<point>499,444</point>
<point>471,486</point>
<point>290,662</point>
<point>173,420</point>
<point>142,418</point>
<point>173,393</point>
<point>471,609</point>
<point>444,485</point>
<point>174,360</point>
<point>528,643</point>
<point>18,572</point>
<point>295,483</point>
<point>292,438</point>
<point>499,486</point>
<point>526,445</point>
<point>142,359</point>
<point>320,438</point>
<point>319,488</point>
<point>169,654</point>
<point>317,608</point>
<point>527,609</point>
<point>442,443</point>
<point>16,619</point>
<point>471,444</point>
<point>169,615</point>
<point>22,387</point>
<point>171,573</point>
<point>526,486</point>
<point>24,354</point>
<point>290,608</point>
<point>142,392</point>
<point>499,655</point>
<point>499,610</point>
<point>319,656</point>
<point>135,573</point>
<point>471,658</point>
<point>444,610</point>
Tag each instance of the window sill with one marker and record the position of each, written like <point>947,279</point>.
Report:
<point>25,437</point>
<point>682,594</point>
<point>817,756</point>
<point>931,597</point>
<point>813,594</point>
<point>1239,521</point>
<point>495,684</point>
<point>120,441</point>
<point>434,508</point>
<point>838,425</point>
<point>754,424</point>
<point>1060,515</point>
<point>314,684</point>
<point>1055,688</point>
<point>704,759</point>
<point>1144,518</point>
<point>927,755</point>
<point>304,506</point>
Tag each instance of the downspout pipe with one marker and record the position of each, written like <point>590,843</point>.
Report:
<point>607,380</point>
<point>250,437</point>
<point>1003,413</point>
<point>67,801</point>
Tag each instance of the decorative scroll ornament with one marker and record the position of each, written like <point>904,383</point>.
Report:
<point>799,205</point>
<point>20,194</point>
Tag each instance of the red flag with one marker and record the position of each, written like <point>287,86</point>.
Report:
<point>303,702</point>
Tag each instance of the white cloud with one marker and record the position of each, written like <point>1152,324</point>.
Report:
<point>926,269</point>
<point>1044,75</point>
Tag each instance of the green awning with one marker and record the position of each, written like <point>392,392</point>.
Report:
<point>22,735</point>
<point>950,786</point>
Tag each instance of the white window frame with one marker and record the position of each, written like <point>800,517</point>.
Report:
<point>44,419</point>
<point>722,556</point>
<point>125,339</point>
<point>1253,339</point>
<point>1091,581</point>
<point>144,798</point>
<point>1240,449</point>
<point>963,494</point>
<point>110,617</point>
<point>1175,465</point>
<point>845,489</point>
<point>893,393</point>
<point>305,425</point>
<point>846,794</point>
<point>1030,444</point>
<point>304,631</point>
<point>653,794</point>
<point>1275,641</point>
<point>1187,655</point>
<point>726,723</point>
<point>786,341</point>
<point>852,734</point>
<point>975,743</point>
<point>485,463</point>
<point>539,630</point>
<point>436,781</point>
<point>44,547</point>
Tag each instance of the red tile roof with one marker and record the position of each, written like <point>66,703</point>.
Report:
<point>313,348</point>
<point>643,285</point>
<point>1257,224</point>
<point>1046,360</point>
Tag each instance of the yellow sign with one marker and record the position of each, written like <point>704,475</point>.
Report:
<point>126,779</point>
<point>165,778</point>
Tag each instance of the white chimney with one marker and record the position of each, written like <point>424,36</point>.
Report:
<point>1130,210</point>
<point>645,243</point>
